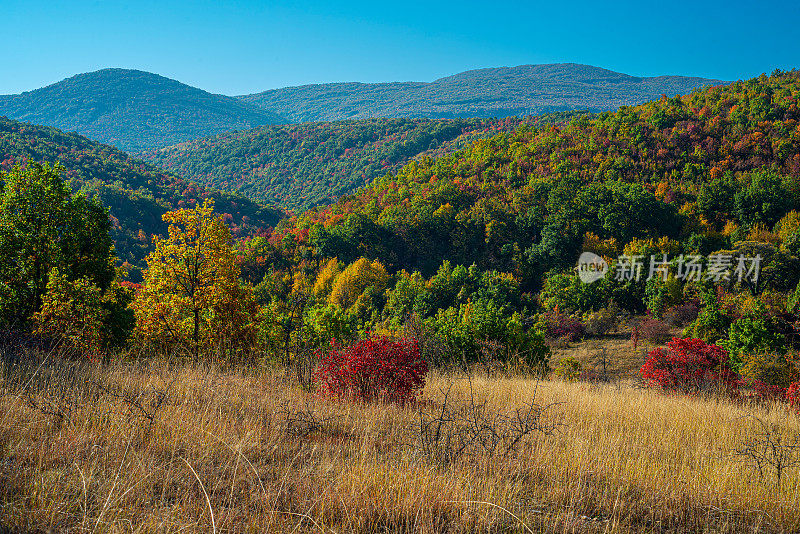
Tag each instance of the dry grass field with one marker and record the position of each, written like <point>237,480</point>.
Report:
<point>154,447</point>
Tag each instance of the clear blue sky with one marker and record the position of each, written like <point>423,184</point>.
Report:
<point>249,46</point>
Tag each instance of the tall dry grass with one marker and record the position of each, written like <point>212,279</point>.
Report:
<point>236,451</point>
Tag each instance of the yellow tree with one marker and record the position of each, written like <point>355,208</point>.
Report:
<point>191,296</point>
<point>355,279</point>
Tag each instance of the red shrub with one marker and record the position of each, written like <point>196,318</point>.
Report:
<point>372,369</point>
<point>767,392</point>
<point>653,330</point>
<point>793,396</point>
<point>559,325</point>
<point>689,365</point>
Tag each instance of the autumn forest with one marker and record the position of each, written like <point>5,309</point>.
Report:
<point>204,335</point>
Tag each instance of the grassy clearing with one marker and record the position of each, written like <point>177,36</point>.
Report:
<point>234,451</point>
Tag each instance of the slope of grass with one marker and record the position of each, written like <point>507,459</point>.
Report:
<point>234,451</point>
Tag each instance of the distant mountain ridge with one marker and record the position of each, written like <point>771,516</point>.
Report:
<point>491,92</point>
<point>133,110</point>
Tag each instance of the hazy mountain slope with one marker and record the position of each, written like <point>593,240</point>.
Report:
<point>493,92</point>
<point>301,165</point>
<point>133,110</point>
<point>136,193</point>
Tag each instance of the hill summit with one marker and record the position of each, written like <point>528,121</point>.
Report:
<point>133,110</point>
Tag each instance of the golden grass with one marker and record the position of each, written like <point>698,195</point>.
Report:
<point>218,458</point>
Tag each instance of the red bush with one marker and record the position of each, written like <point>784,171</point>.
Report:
<point>766,392</point>
<point>372,369</point>
<point>689,365</point>
<point>558,325</point>
<point>653,330</point>
<point>793,396</point>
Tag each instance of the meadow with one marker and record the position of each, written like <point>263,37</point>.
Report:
<point>152,445</point>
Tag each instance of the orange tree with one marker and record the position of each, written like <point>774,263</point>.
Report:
<point>192,298</point>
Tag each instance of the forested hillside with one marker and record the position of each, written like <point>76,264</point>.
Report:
<point>133,110</point>
<point>707,168</point>
<point>136,193</point>
<point>299,166</point>
<point>493,92</point>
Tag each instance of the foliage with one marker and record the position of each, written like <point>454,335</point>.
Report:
<point>326,323</point>
<point>557,325</point>
<point>793,396</point>
<point>568,368</point>
<point>689,365</point>
<point>568,293</point>
<point>43,226</point>
<point>654,330</point>
<point>752,334</point>
<point>712,322</point>
<point>467,329</point>
<point>374,369</point>
<point>771,369</point>
<point>135,193</point>
<point>191,297</point>
<point>603,320</point>
<point>72,311</point>
<point>352,284</point>
<point>681,314</point>
<point>298,166</point>
<point>89,320</point>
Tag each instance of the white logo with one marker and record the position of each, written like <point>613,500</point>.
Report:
<point>591,267</point>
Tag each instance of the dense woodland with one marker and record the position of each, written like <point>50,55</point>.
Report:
<point>136,194</point>
<point>300,166</point>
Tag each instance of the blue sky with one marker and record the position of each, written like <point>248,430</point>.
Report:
<point>247,46</point>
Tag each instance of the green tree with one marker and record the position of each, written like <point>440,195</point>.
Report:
<point>43,226</point>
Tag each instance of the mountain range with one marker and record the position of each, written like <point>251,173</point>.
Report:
<point>136,111</point>
<point>492,92</point>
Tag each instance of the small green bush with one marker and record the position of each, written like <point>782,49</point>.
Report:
<point>568,369</point>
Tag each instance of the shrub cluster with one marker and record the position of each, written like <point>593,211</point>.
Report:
<point>559,325</point>
<point>653,330</point>
<point>690,365</point>
<point>374,369</point>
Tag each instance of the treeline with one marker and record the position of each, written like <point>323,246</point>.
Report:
<point>303,165</point>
